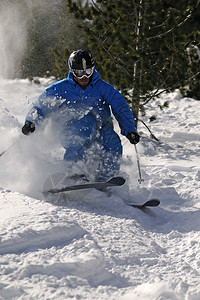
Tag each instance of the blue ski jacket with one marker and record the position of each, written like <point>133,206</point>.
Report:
<point>85,113</point>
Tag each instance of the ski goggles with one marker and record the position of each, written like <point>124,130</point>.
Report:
<point>81,73</point>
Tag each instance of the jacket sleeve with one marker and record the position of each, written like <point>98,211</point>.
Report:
<point>120,109</point>
<point>44,105</point>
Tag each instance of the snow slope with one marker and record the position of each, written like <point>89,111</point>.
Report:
<point>98,247</point>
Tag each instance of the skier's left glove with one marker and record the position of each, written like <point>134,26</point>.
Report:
<point>133,137</point>
<point>28,128</point>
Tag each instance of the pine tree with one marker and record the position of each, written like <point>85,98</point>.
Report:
<point>140,46</point>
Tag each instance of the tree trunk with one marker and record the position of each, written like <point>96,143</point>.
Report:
<point>137,68</point>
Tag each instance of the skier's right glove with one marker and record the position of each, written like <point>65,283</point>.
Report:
<point>133,137</point>
<point>28,128</point>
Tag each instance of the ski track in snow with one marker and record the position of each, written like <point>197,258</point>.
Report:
<point>97,247</point>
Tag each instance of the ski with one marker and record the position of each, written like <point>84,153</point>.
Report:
<point>115,181</point>
<point>150,203</point>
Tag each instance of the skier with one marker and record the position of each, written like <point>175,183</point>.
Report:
<point>80,108</point>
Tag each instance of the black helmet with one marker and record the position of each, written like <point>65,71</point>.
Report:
<point>80,60</point>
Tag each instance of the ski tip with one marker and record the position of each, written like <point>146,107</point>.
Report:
<point>117,181</point>
<point>152,202</point>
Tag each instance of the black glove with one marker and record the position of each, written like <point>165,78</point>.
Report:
<point>28,128</point>
<point>133,137</point>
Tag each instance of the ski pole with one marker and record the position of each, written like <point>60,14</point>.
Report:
<point>140,180</point>
<point>10,146</point>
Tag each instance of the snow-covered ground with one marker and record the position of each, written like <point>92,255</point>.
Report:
<point>98,247</point>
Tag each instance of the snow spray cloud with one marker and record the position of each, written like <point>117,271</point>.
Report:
<point>16,19</point>
<point>12,37</point>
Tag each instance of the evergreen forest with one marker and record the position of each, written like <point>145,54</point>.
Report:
<point>141,47</point>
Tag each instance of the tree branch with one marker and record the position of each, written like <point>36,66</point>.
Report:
<point>170,30</point>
